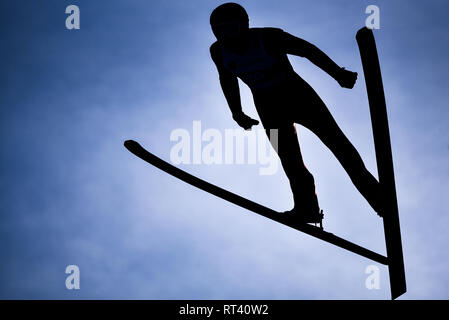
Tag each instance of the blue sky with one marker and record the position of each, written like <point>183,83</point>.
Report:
<point>71,194</point>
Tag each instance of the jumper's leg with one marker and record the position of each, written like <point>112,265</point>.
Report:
<point>301,180</point>
<point>320,121</point>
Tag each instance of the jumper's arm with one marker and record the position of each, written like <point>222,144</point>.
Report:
<point>229,84</point>
<point>299,47</point>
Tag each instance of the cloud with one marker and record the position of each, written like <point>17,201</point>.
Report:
<point>72,194</point>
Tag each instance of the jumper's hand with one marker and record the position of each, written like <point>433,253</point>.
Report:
<point>244,121</point>
<point>346,78</point>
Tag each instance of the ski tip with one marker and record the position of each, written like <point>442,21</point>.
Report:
<point>364,33</point>
<point>130,144</point>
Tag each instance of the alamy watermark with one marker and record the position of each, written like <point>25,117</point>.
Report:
<point>73,20</point>
<point>73,279</point>
<point>233,146</point>
<point>373,20</point>
<point>373,279</point>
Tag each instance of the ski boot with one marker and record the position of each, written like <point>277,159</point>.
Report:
<point>305,216</point>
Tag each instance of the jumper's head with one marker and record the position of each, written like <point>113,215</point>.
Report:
<point>229,21</point>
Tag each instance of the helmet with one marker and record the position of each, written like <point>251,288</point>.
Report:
<point>229,11</point>
<point>229,20</point>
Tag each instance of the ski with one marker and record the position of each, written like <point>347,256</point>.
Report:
<point>317,232</point>
<point>384,159</point>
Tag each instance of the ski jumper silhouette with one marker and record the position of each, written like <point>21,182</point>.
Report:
<point>258,56</point>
